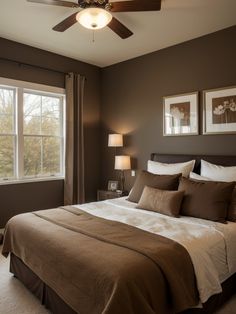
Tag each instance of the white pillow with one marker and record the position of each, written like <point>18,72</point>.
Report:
<point>161,168</point>
<point>218,173</point>
<point>196,176</point>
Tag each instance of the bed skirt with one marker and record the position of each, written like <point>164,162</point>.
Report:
<point>32,282</point>
<point>57,306</point>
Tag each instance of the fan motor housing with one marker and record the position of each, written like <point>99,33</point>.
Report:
<point>95,3</point>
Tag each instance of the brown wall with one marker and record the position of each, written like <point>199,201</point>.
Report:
<point>132,94</point>
<point>17,198</point>
<point>25,197</point>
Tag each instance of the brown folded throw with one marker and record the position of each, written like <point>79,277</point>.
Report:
<point>101,266</point>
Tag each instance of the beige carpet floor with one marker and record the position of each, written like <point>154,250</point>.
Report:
<point>16,299</point>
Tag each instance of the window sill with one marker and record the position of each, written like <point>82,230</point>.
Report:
<point>31,180</point>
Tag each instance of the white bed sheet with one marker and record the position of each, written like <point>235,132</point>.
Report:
<point>211,245</point>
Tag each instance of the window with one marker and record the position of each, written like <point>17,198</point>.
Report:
<point>31,131</point>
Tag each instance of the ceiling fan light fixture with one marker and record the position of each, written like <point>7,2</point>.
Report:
<point>94,18</point>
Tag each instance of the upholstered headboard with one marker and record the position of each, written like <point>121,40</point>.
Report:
<point>218,160</point>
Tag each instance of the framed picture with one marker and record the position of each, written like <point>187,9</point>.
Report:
<point>181,115</point>
<point>219,114</point>
<point>112,185</point>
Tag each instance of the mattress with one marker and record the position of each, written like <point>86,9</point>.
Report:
<point>211,245</point>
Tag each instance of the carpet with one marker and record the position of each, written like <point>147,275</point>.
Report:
<point>16,299</point>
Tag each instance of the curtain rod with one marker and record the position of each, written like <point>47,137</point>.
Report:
<point>34,66</point>
<point>31,65</point>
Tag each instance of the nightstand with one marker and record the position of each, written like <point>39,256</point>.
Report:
<point>105,194</point>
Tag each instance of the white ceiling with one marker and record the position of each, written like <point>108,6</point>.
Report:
<point>178,21</point>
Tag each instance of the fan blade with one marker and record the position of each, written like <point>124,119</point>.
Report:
<point>119,28</point>
<point>65,24</point>
<point>136,5</point>
<point>57,2</point>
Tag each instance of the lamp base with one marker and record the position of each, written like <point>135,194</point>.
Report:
<point>122,180</point>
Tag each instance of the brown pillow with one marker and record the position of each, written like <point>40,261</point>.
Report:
<point>160,201</point>
<point>208,200</point>
<point>231,214</point>
<point>162,182</point>
<point>232,207</point>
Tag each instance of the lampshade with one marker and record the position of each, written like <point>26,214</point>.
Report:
<point>115,140</point>
<point>122,162</point>
<point>94,18</point>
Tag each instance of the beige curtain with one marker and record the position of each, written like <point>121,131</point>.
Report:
<point>74,155</point>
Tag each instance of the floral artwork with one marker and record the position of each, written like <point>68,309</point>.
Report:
<point>220,111</point>
<point>224,109</point>
<point>181,114</point>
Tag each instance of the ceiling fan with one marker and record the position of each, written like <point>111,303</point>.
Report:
<point>96,14</point>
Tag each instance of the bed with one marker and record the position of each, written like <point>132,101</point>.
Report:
<point>134,285</point>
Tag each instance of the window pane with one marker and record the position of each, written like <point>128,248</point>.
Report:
<point>32,156</point>
<point>7,156</point>
<point>50,126</point>
<point>7,143</point>
<point>51,155</point>
<point>51,106</point>
<point>32,105</point>
<point>50,116</point>
<point>32,125</point>
<point>6,101</point>
<point>6,124</point>
<point>32,114</point>
<point>42,115</point>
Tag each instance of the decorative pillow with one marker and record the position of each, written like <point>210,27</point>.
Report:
<point>161,168</point>
<point>218,173</point>
<point>207,200</point>
<point>163,202</point>
<point>162,182</point>
<point>231,215</point>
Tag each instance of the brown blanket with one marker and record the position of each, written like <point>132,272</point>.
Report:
<point>101,266</point>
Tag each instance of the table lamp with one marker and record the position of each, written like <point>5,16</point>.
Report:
<point>115,140</point>
<point>122,163</point>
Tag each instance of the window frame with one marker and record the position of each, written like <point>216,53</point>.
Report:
<point>21,87</point>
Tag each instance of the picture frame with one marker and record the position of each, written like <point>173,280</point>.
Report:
<point>112,185</point>
<point>219,111</point>
<point>181,115</point>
